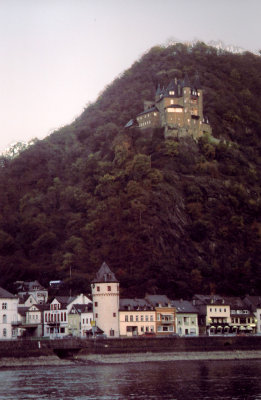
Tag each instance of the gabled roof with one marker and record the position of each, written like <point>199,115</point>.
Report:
<point>135,305</point>
<point>81,308</point>
<point>64,300</point>
<point>4,294</point>
<point>105,275</point>
<point>158,299</point>
<point>183,306</point>
<point>40,307</point>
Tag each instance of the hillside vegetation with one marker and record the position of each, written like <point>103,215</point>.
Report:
<point>168,216</point>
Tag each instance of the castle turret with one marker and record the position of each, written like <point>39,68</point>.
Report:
<point>105,296</point>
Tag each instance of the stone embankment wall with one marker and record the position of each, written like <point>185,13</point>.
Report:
<point>70,347</point>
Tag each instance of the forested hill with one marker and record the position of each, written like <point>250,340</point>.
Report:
<point>168,216</point>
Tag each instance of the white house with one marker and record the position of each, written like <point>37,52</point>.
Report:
<point>9,321</point>
<point>186,318</point>
<point>56,318</point>
<point>105,296</point>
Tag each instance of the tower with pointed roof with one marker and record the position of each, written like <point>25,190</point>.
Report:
<point>178,109</point>
<point>105,296</point>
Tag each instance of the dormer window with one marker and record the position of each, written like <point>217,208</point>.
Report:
<point>171,93</point>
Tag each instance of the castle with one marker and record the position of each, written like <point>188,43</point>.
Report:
<point>178,109</point>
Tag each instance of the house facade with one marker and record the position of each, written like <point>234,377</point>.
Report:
<point>9,320</point>
<point>186,318</point>
<point>79,320</point>
<point>214,314</point>
<point>165,314</point>
<point>178,109</point>
<point>136,317</point>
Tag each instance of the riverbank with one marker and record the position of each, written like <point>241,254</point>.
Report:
<point>173,356</point>
<point>11,362</point>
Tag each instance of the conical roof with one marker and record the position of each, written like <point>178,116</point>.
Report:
<point>186,82</point>
<point>104,275</point>
<point>197,84</point>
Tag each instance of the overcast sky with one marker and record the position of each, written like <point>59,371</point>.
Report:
<point>58,55</point>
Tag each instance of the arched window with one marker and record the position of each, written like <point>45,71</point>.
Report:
<point>4,332</point>
<point>4,319</point>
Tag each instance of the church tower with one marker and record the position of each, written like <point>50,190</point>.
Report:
<point>105,297</point>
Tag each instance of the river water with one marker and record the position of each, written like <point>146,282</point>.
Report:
<point>178,380</point>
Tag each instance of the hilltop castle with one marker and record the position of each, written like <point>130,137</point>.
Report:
<point>178,109</point>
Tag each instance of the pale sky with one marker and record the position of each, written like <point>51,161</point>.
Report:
<point>58,55</point>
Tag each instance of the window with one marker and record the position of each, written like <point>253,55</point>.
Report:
<point>96,304</point>
<point>62,330</point>
<point>225,310</point>
<point>126,318</point>
<point>151,318</point>
<point>4,319</point>
<point>114,314</point>
<point>131,318</point>
<point>142,329</point>
<point>61,317</point>
<point>64,316</point>
<point>141,317</point>
<point>13,332</point>
<point>98,288</point>
<point>147,317</point>
<point>4,306</point>
<point>109,288</point>
<point>137,318</point>
<point>96,315</point>
<point>111,332</point>
<point>4,332</point>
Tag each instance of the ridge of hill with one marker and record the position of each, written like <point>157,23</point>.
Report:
<point>170,216</point>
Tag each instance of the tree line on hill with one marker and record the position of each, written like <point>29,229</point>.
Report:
<point>168,216</point>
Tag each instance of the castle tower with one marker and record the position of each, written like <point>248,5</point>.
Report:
<point>197,86</point>
<point>186,101</point>
<point>105,296</point>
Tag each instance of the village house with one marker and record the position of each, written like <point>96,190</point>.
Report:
<point>165,314</point>
<point>32,289</point>
<point>253,303</point>
<point>33,323</point>
<point>242,319</point>
<point>56,317</point>
<point>9,321</point>
<point>136,317</point>
<point>186,318</point>
<point>79,320</point>
<point>178,109</point>
<point>214,314</point>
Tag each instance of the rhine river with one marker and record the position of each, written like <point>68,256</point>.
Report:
<point>178,380</point>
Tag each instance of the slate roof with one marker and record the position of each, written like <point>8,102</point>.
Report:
<point>149,110</point>
<point>4,294</point>
<point>183,306</point>
<point>104,275</point>
<point>82,308</point>
<point>135,305</point>
<point>22,310</point>
<point>158,299</point>
<point>64,300</point>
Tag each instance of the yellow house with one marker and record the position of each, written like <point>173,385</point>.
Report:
<point>136,317</point>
